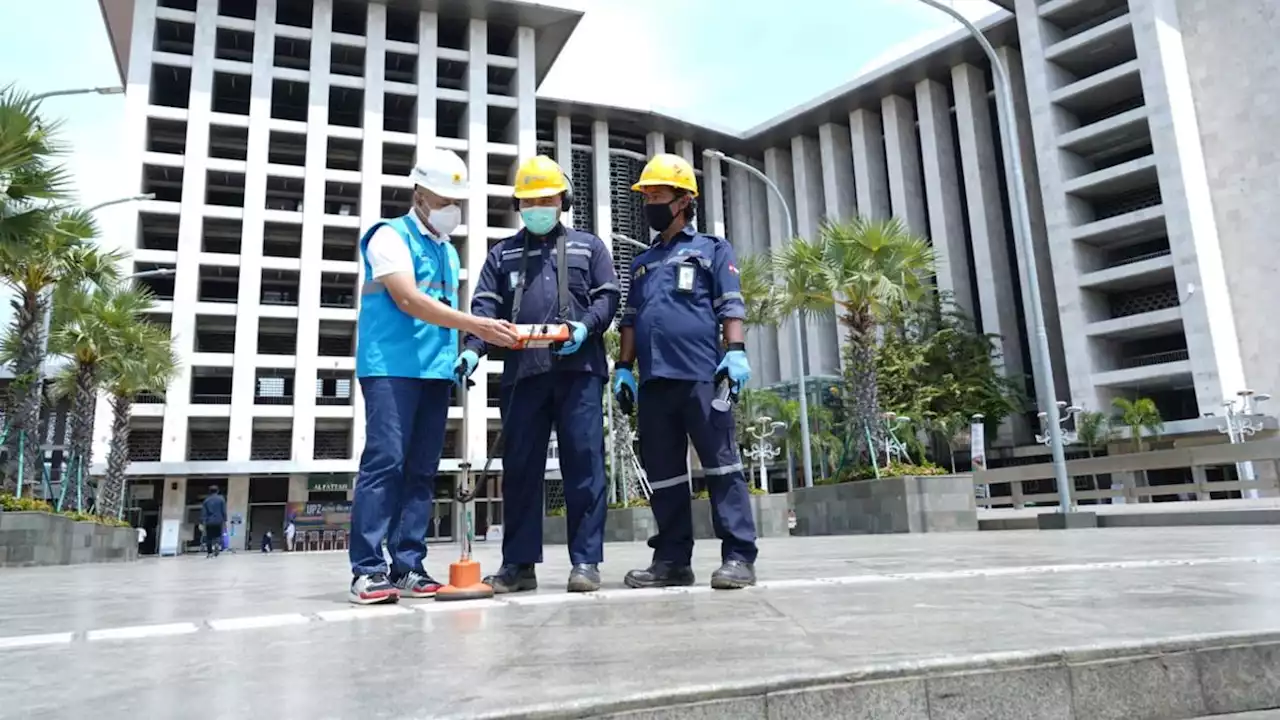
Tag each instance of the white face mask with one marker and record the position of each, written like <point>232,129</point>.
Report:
<point>446,219</point>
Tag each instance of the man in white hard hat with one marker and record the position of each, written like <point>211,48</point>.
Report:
<point>406,350</point>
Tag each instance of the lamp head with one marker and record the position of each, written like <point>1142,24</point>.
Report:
<point>1262,397</point>
<point>712,153</point>
<point>1074,409</point>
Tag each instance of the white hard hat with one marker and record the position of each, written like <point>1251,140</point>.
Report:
<point>443,173</point>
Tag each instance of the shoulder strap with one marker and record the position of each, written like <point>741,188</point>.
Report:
<point>562,276</point>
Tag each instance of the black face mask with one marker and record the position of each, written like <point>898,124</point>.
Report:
<point>659,216</point>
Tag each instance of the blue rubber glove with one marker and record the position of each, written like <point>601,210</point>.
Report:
<point>623,377</point>
<point>579,337</point>
<point>736,365</point>
<point>466,364</point>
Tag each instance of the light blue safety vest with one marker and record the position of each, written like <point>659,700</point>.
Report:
<point>392,343</point>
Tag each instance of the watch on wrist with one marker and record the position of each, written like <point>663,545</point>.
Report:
<point>622,366</point>
<point>737,346</point>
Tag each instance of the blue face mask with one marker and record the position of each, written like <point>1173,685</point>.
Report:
<point>540,220</point>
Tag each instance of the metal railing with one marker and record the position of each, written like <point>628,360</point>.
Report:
<point>1149,359</point>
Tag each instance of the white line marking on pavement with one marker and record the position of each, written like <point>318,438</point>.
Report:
<point>23,641</point>
<point>141,631</point>
<point>361,613</point>
<point>261,621</point>
<point>611,595</point>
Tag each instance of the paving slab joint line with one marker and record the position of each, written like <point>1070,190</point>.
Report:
<point>1067,658</point>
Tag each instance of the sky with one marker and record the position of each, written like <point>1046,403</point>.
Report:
<point>732,64</point>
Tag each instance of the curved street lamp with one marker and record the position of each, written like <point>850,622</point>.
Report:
<point>108,90</point>
<point>763,450</point>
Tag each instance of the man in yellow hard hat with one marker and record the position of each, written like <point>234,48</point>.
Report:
<point>683,323</point>
<point>549,274</point>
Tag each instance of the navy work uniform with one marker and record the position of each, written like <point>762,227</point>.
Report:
<point>681,291</point>
<point>564,276</point>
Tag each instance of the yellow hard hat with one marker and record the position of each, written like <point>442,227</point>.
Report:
<point>540,177</point>
<point>670,170</point>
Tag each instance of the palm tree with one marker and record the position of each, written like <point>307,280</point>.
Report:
<point>91,325</point>
<point>862,270</point>
<point>29,176</point>
<point>1139,415</point>
<point>147,364</point>
<point>759,294</point>
<point>64,255</point>
<point>1093,430</point>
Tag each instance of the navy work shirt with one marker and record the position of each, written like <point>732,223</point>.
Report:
<point>681,291</point>
<point>593,298</point>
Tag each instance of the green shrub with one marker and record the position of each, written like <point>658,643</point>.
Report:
<point>897,469</point>
<point>9,503</point>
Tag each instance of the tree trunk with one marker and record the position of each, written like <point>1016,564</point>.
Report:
<point>80,433</point>
<point>117,457</point>
<point>24,442</point>
<point>862,403</point>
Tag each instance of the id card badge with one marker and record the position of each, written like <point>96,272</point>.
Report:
<point>684,278</point>
<point>513,279</point>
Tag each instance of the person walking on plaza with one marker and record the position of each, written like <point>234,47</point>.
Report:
<point>549,274</point>
<point>685,292</point>
<point>289,531</point>
<point>213,515</point>
<point>407,340</point>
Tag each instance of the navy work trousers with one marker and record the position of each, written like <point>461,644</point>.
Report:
<point>671,413</point>
<point>572,402</point>
<point>404,428</point>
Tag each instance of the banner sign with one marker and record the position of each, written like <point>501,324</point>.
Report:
<point>319,515</point>
<point>328,484</point>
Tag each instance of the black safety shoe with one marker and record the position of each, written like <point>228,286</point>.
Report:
<point>585,577</point>
<point>660,574</point>
<point>513,578</point>
<point>734,575</point>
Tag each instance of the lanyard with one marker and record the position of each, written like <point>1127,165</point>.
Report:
<point>562,277</point>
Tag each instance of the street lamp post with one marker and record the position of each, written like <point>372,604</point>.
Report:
<point>1068,436</point>
<point>797,337</point>
<point>763,450</point>
<point>1240,425</point>
<point>1022,234</point>
<point>108,90</point>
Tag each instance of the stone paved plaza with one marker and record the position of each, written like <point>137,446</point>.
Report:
<point>247,635</point>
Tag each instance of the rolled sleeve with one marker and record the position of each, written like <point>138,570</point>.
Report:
<point>486,301</point>
<point>605,293</point>
<point>727,287</point>
<point>629,309</point>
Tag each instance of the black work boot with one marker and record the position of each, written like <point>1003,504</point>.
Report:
<point>512,578</point>
<point>660,574</point>
<point>734,575</point>
<point>584,577</point>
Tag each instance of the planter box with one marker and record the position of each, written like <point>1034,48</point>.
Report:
<point>638,525</point>
<point>36,538</point>
<point>931,503</point>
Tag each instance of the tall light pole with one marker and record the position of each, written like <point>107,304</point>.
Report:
<point>1240,425</point>
<point>108,90</point>
<point>797,338</point>
<point>1043,361</point>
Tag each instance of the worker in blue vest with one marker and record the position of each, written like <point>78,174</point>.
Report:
<point>548,274</point>
<point>685,300</point>
<point>407,345</point>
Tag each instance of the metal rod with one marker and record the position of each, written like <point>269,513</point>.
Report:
<point>108,90</point>
<point>797,337</point>
<point>1022,235</point>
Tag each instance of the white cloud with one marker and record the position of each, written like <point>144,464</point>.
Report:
<point>972,10</point>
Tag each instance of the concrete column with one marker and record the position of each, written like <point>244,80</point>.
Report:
<point>655,143</point>
<point>758,195</point>
<point>601,189</point>
<point>777,165</point>
<point>238,501</point>
<point>871,177</point>
<point>313,229</point>
<point>173,503</point>
<point>821,349</point>
<point>298,489</point>
<point>986,222</point>
<point>1212,341</point>
<point>684,148</point>
<point>837,171</point>
<point>1012,61</point>
<point>906,187</point>
<point>191,226</point>
<point>475,424</point>
<point>243,384</point>
<point>527,83</point>
<point>428,59</point>
<point>133,146</point>
<point>564,156</point>
<point>942,185</point>
<point>743,241</point>
<point>713,196</point>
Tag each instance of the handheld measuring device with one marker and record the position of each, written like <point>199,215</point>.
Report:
<point>541,336</point>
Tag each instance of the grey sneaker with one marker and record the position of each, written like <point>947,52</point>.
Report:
<point>415,584</point>
<point>372,589</point>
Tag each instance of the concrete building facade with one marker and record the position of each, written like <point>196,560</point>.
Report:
<point>273,131</point>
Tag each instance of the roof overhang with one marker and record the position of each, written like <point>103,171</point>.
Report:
<point>1006,4</point>
<point>640,121</point>
<point>553,24</point>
